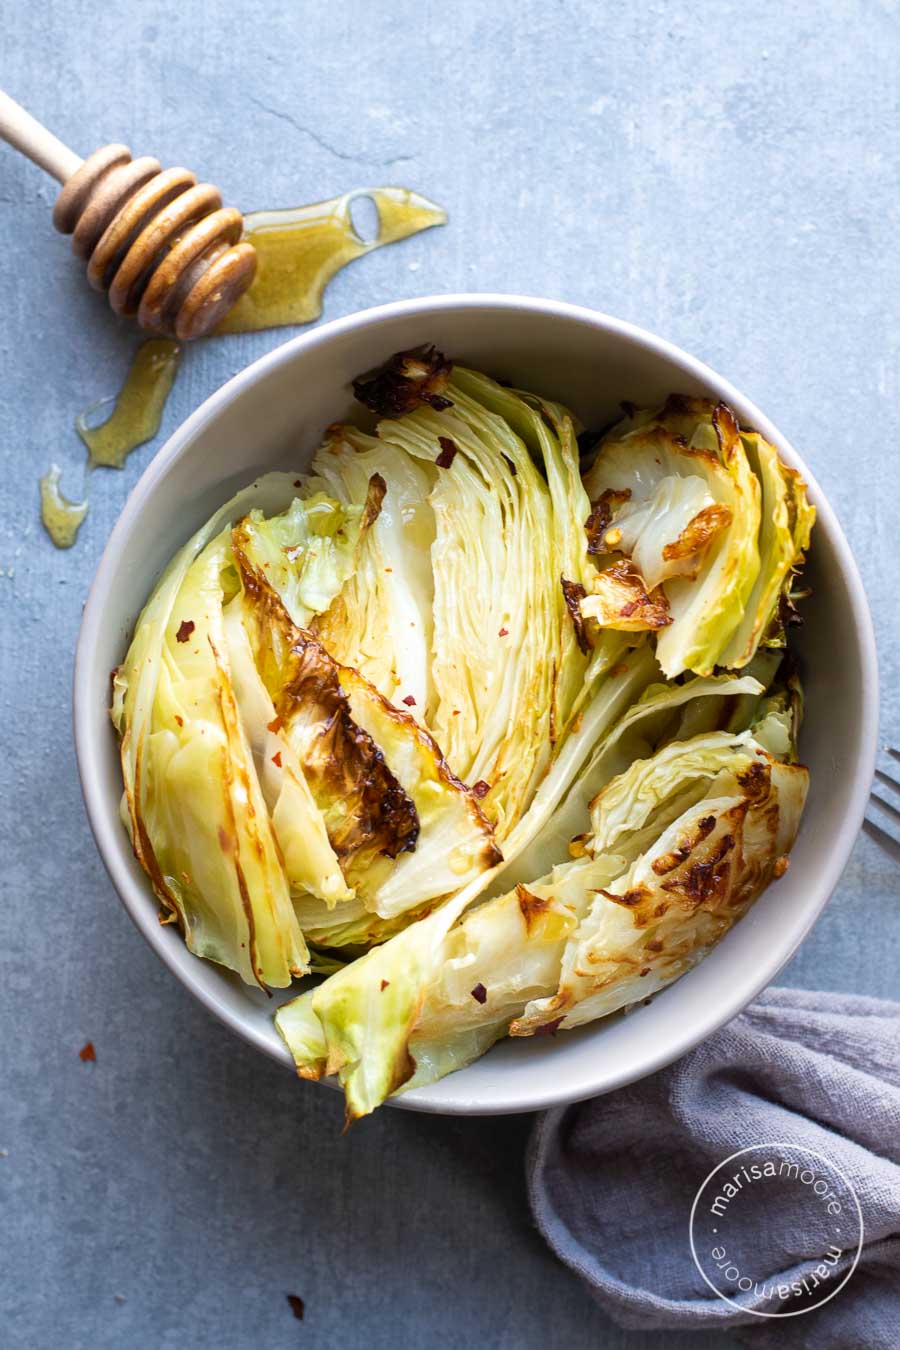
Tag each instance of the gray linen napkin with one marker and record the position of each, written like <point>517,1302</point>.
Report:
<point>612,1181</point>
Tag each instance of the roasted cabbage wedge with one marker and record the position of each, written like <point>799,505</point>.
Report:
<point>704,525</point>
<point>499,745</point>
<point>505,664</point>
<point>728,813</point>
<point>193,803</point>
<point>679,846</point>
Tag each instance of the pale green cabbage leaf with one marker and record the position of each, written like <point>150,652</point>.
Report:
<point>308,551</point>
<point>787,520</point>
<point>675,493</point>
<point>197,816</point>
<point>506,665</point>
<point>381,622</point>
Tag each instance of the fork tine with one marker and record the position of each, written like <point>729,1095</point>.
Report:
<point>887,780</point>
<point>894,754</point>
<point>892,811</point>
<point>883,839</point>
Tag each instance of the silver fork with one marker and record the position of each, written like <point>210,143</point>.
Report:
<point>886,841</point>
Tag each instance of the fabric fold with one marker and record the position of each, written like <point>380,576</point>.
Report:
<point>797,1075</point>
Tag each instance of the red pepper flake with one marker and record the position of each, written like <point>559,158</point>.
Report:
<point>645,971</point>
<point>276,759</point>
<point>504,632</point>
<point>479,993</point>
<point>456,712</point>
<point>275,725</point>
<point>389,569</point>
<point>185,628</point>
<point>87,1054</point>
<point>297,1305</point>
<point>298,482</point>
<point>409,701</point>
<point>179,720</point>
<point>549,1028</point>
<point>449,451</point>
<point>480,789</point>
<point>384,985</point>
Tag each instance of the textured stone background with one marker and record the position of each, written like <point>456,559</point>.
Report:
<point>726,174</point>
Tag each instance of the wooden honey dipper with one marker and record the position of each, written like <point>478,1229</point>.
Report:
<point>158,242</point>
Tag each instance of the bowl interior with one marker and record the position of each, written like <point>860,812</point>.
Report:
<point>272,415</point>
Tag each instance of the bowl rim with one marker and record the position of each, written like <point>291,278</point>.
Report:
<point>105,823</point>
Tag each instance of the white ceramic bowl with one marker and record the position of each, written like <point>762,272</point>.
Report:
<point>272,415</point>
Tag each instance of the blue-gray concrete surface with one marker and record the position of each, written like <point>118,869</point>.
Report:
<point>726,174</point>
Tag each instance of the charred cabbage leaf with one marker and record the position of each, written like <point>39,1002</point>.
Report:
<point>712,523</point>
<point>367,814</point>
<point>309,860</point>
<point>406,382</point>
<point>729,814</point>
<point>684,506</point>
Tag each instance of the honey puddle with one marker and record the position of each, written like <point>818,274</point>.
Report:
<point>138,406</point>
<point>299,250</point>
<point>62,518</point>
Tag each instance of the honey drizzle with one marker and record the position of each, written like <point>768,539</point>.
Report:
<point>138,409</point>
<point>62,518</point>
<point>300,249</point>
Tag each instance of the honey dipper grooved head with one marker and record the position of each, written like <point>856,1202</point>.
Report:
<point>160,244</point>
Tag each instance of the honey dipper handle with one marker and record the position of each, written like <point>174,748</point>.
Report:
<point>26,134</point>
